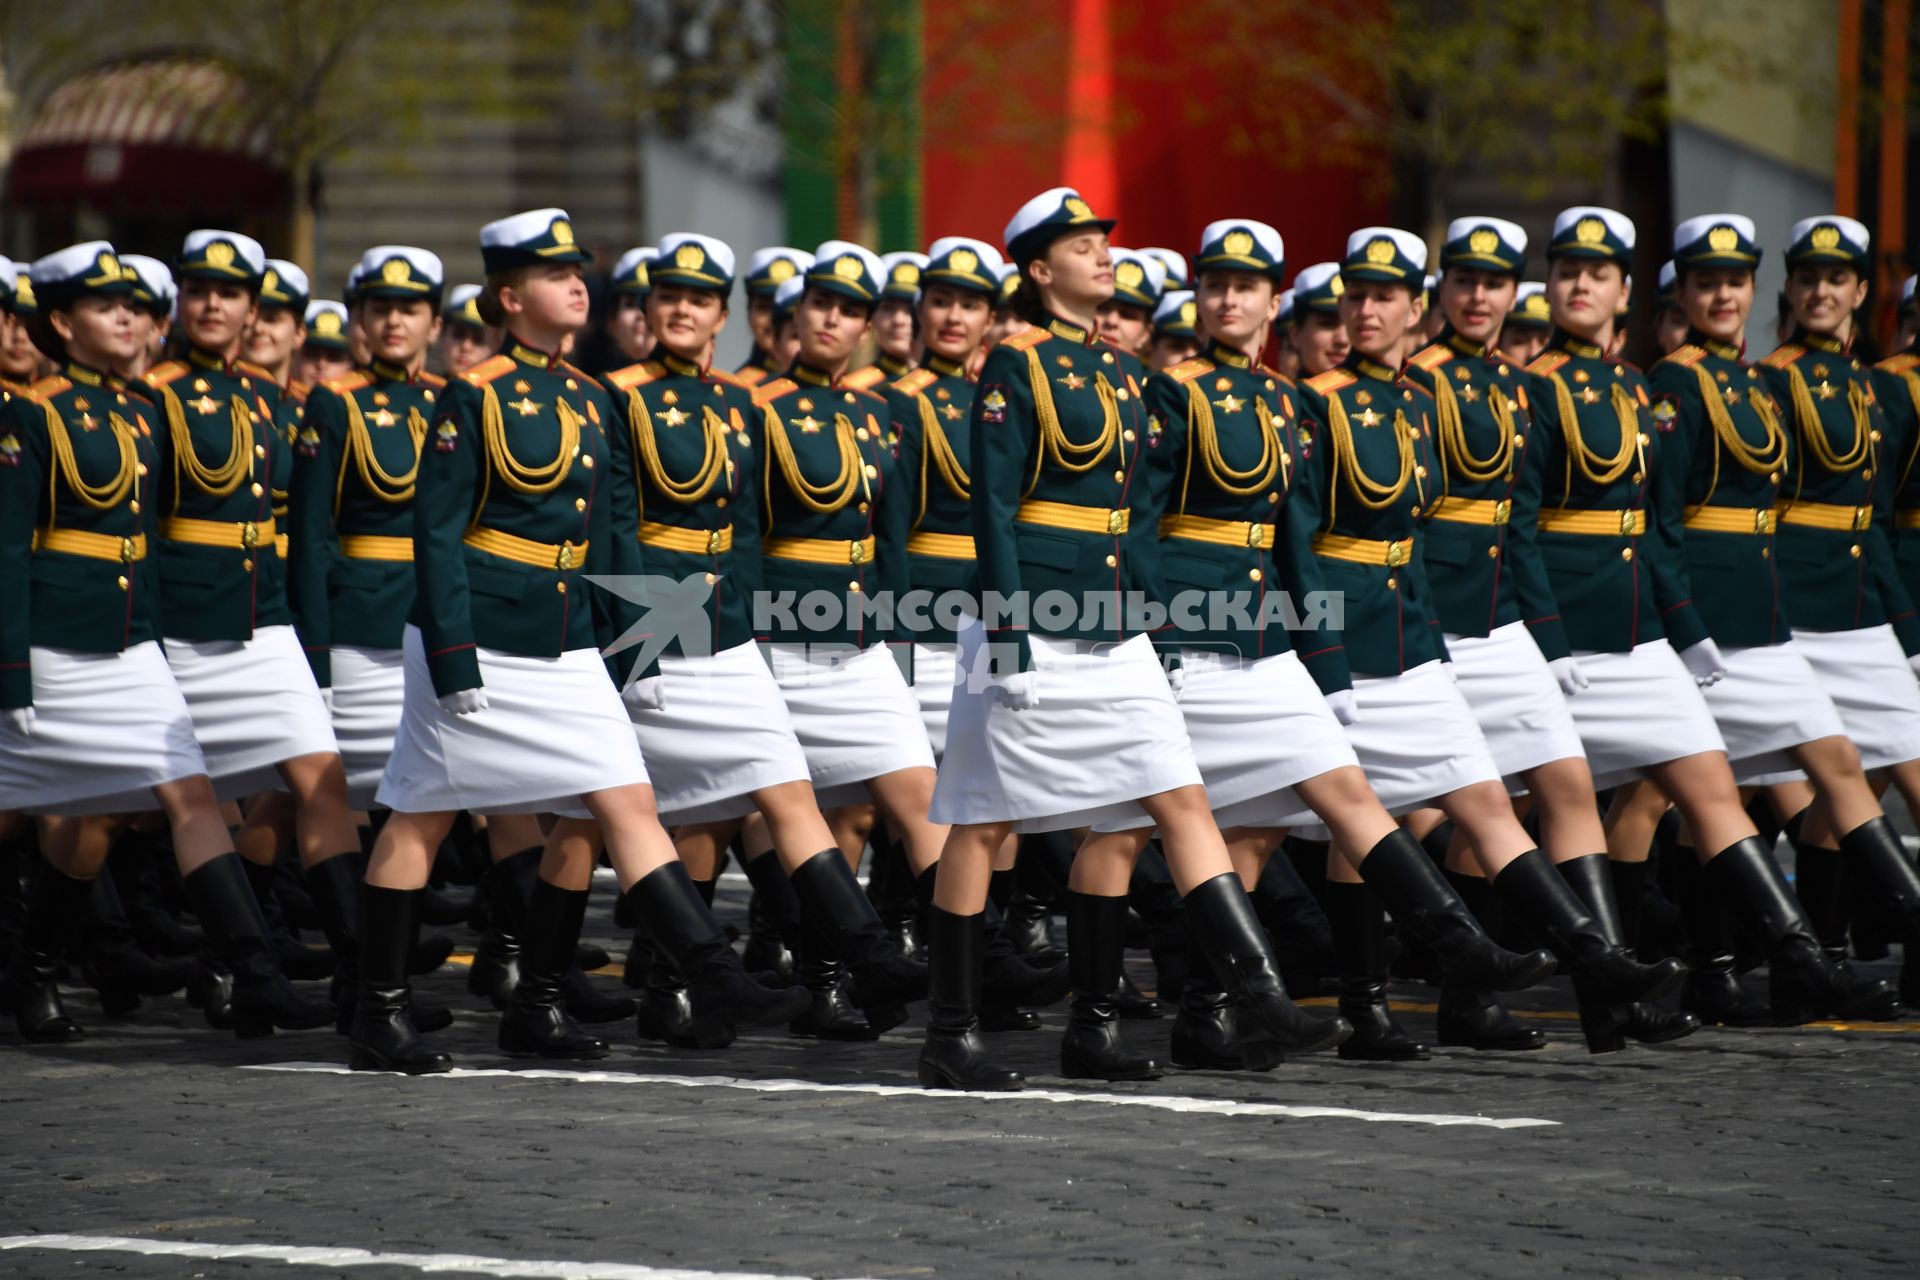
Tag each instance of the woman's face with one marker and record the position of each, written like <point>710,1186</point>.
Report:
<point>1717,301</point>
<point>1585,294</point>
<point>893,328</point>
<point>98,331</point>
<point>1077,270</point>
<point>953,322</point>
<point>829,326</point>
<point>686,321</point>
<point>1824,297</point>
<point>1476,303</point>
<point>1321,342</point>
<point>1237,307</point>
<point>215,314</point>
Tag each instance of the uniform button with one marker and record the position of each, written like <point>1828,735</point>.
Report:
<point>860,434</point>
<point>1120,477</point>
<point>246,384</point>
<point>123,584</point>
<point>259,451</point>
<point>712,578</point>
<point>579,504</point>
<point>1626,553</point>
<point>871,470</point>
<point>1867,474</point>
<point>1638,476</point>
<point>1854,551</point>
<point>134,506</point>
<point>1393,584</point>
<point>1775,477</point>
<point>719,502</point>
<point>1123,394</point>
<point>1106,357</point>
<point>1127,434</point>
<point>1766,553</point>
<point>561,587</point>
<point>1420,473</point>
<point>1518,438</point>
<point>142,468</point>
<point>247,565</point>
<point>1113,562</point>
<point>1493,553</point>
<point>1272,498</point>
<point>1643,438</point>
<point>854,587</point>
<point>257,491</point>
<point>587,462</point>
<point>863,508</point>
<point>1874,436</point>
<point>572,385</point>
<point>1414,512</point>
<point>1255,574</point>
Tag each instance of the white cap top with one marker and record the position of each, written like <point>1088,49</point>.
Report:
<point>1528,289</point>
<point>1175,263</point>
<point>289,272</point>
<point>252,256</point>
<point>1170,305</point>
<point>383,259</point>
<point>1618,223</point>
<point>73,261</point>
<point>834,249</point>
<point>634,257</point>
<point>461,295</point>
<point>1693,228</point>
<point>787,295</point>
<point>1851,230</point>
<point>1265,236</point>
<point>521,227</point>
<point>1906,288</point>
<point>1313,277</point>
<point>326,307</point>
<point>1411,246</point>
<point>1511,232</point>
<point>715,253</point>
<point>1667,275</point>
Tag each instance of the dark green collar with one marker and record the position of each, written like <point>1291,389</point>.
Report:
<point>1367,367</point>
<point>894,368</point>
<point>808,376</point>
<point>1819,342</point>
<point>1220,353</point>
<point>201,358</point>
<point>1564,341</point>
<point>525,354</point>
<point>390,372</point>
<point>1071,332</point>
<point>1713,346</point>
<point>1462,346</point>
<point>84,375</point>
<point>676,364</point>
<point>944,367</point>
<point>758,359</point>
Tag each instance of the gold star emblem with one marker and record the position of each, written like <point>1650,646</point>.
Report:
<point>384,418</point>
<point>674,417</point>
<point>205,404</point>
<point>1468,393</point>
<point>1229,404</point>
<point>1733,396</point>
<point>526,407</point>
<point>88,422</point>
<point>1589,396</point>
<point>807,424</point>
<point>951,412</point>
<point>1368,419</point>
<point>1072,381</point>
<point>1826,390</point>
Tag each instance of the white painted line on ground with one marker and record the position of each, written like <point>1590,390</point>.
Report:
<point>1155,1101</point>
<point>323,1256</point>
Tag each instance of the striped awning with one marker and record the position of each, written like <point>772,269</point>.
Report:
<point>154,134</point>
<point>180,104</point>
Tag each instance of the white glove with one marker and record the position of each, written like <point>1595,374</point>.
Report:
<point>464,702</point>
<point>645,695</point>
<point>1020,691</point>
<point>1346,709</point>
<point>20,720</point>
<point>1572,679</point>
<point>1704,661</point>
<point>1177,681</point>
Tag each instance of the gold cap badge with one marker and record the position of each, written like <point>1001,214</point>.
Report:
<point>1238,243</point>
<point>689,257</point>
<point>219,254</point>
<point>848,267</point>
<point>1189,313</point>
<point>780,269</point>
<point>964,261</point>
<point>1078,209</point>
<point>906,273</point>
<point>395,271</point>
<point>1484,240</point>
<point>562,231</point>
<point>1826,236</point>
<point>1129,275</point>
<point>1590,231</point>
<point>1723,238</point>
<point>1380,251</point>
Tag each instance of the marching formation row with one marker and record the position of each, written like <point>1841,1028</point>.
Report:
<point>1408,568</point>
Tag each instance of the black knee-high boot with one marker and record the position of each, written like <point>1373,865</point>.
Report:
<point>508,887</point>
<point>1360,941</point>
<point>1012,985</point>
<point>1879,858</point>
<point>1270,1024</point>
<point>1540,894</point>
<point>1206,1033</point>
<point>954,1055</point>
<point>773,918</point>
<point>670,911</point>
<point>298,961</point>
<point>817,968</point>
<point>1647,1022</point>
<point>1820,881</point>
<point>135,864</point>
<point>537,1021</point>
<point>383,1036</point>
<point>1606,1019</point>
<point>1713,991</point>
<point>1093,1048</point>
<point>1425,905</point>
<point>119,969</point>
<point>1804,983</point>
<point>884,976</point>
<point>335,887</point>
<point>1473,1017</point>
<point>262,998</point>
<point>55,904</point>
<point>1297,923</point>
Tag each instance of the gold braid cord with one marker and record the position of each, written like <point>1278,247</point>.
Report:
<point>378,481</point>
<point>1457,458</point>
<point>1912,380</point>
<point>713,463</point>
<point>520,477</point>
<point>835,493</point>
<point>216,482</point>
<point>1597,470</point>
<point>98,496</point>
<point>1370,493</point>
<point>1814,431</point>
<point>937,452</point>
<point>1762,459</point>
<point>1206,440</point>
<point>1055,446</point>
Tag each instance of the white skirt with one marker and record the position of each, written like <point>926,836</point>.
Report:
<point>1514,697</point>
<point>369,690</point>
<point>1872,687</point>
<point>254,705</point>
<point>1639,708</point>
<point>554,730</point>
<point>1770,700</point>
<point>853,713</point>
<point>107,729</point>
<point>1257,728</point>
<point>935,670</point>
<point>1106,733</point>
<point>722,734</point>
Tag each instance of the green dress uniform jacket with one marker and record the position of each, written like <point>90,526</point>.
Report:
<point>681,445</point>
<point>1594,468</point>
<point>511,515</point>
<point>1479,550</point>
<point>833,511</point>
<point>1373,486</point>
<point>218,454</point>
<point>1233,508</point>
<point>1896,388</point>
<point>1056,438</point>
<point>291,412</point>
<point>1722,434</point>
<point>78,474</point>
<point>1837,559</point>
<point>930,408</point>
<point>356,461</point>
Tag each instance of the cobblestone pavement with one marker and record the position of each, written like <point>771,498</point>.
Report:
<point>1749,1153</point>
